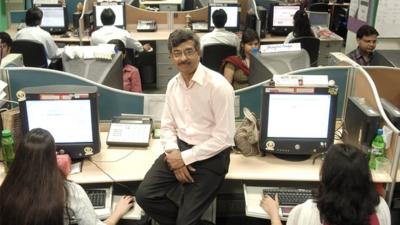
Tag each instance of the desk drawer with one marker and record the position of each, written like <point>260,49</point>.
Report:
<point>162,80</point>
<point>162,47</point>
<point>168,7</point>
<point>163,58</point>
<point>166,69</point>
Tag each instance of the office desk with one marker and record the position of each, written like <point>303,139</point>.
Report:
<point>131,164</point>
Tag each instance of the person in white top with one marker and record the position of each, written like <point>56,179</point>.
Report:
<point>36,191</point>
<point>109,32</point>
<point>197,129</point>
<point>33,19</point>
<point>219,35</point>
<point>346,194</point>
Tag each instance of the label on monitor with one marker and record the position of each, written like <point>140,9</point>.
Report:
<point>280,48</point>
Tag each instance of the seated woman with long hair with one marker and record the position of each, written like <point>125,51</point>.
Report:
<point>301,26</point>
<point>236,68</point>
<point>36,192</point>
<point>346,194</point>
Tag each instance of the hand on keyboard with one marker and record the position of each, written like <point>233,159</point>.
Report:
<point>271,206</point>
<point>124,205</point>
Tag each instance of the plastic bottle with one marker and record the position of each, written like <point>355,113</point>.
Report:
<point>378,148</point>
<point>7,144</point>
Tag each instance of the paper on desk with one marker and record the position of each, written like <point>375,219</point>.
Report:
<point>133,214</point>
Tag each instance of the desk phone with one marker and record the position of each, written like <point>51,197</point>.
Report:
<point>146,25</point>
<point>130,131</point>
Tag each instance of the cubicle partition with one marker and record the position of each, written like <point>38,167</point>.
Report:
<point>112,102</point>
<point>250,97</point>
<point>364,87</point>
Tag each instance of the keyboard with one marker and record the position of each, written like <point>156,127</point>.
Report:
<point>288,196</point>
<point>97,197</point>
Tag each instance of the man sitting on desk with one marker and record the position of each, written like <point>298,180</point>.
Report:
<point>109,32</point>
<point>33,19</point>
<point>219,35</point>
<point>197,128</point>
<point>366,39</point>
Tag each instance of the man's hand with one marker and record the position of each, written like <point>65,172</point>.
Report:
<point>174,159</point>
<point>183,174</point>
<point>147,47</point>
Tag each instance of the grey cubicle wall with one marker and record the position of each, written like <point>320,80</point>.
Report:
<point>250,97</point>
<point>112,102</point>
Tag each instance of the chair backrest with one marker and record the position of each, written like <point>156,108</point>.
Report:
<point>214,54</point>
<point>33,52</point>
<point>311,45</point>
<point>319,7</point>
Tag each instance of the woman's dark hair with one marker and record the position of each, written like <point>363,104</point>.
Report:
<point>33,17</point>
<point>248,35</point>
<point>5,38</point>
<point>33,191</point>
<point>301,25</point>
<point>346,193</point>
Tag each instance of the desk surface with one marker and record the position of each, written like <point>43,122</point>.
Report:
<point>131,164</point>
<point>162,2</point>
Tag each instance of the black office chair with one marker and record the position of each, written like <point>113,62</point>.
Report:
<point>311,45</point>
<point>213,55</point>
<point>319,7</point>
<point>33,52</point>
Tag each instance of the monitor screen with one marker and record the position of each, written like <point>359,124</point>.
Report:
<point>289,114</point>
<point>59,116</point>
<point>119,11</point>
<point>319,18</point>
<point>232,13</point>
<point>54,18</point>
<point>297,121</point>
<point>283,15</point>
<point>69,113</point>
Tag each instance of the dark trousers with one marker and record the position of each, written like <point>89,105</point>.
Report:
<point>169,202</point>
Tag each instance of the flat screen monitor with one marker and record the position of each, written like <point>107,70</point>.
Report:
<point>297,122</point>
<point>282,18</point>
<point>55,18</point>
<point>232,12</point>
<point>69,113</point>
<point>118,9</point>
<point>319,18</point>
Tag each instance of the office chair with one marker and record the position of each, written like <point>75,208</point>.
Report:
<point>214,54</point>
<point>33,52</point>
<point>319,7</point>
<point>311,45</point>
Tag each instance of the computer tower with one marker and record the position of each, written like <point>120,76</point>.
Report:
<point>263,15</point>
<point>360,123</point>
<point>392,112</point>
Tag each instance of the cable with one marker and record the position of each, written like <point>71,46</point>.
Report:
<point>109,176</point>
<point>110,161</point>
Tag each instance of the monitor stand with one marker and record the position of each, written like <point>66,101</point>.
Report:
<point>294,158</point>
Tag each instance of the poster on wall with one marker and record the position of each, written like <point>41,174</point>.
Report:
<point>388,18</point>
<point>361,12</point>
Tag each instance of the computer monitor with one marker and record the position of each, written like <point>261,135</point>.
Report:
<point>232,12</point>
<point>259,71</point>
<point>392,112</point>
<point>118,9</point>
<point>297,121</point>
<point>319,18</point>
<point>55,18</point>
<point>360,123</point>
<point>68,112</point>
<point>282,18</point>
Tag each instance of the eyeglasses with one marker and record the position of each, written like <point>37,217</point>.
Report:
<point>187,52</point>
